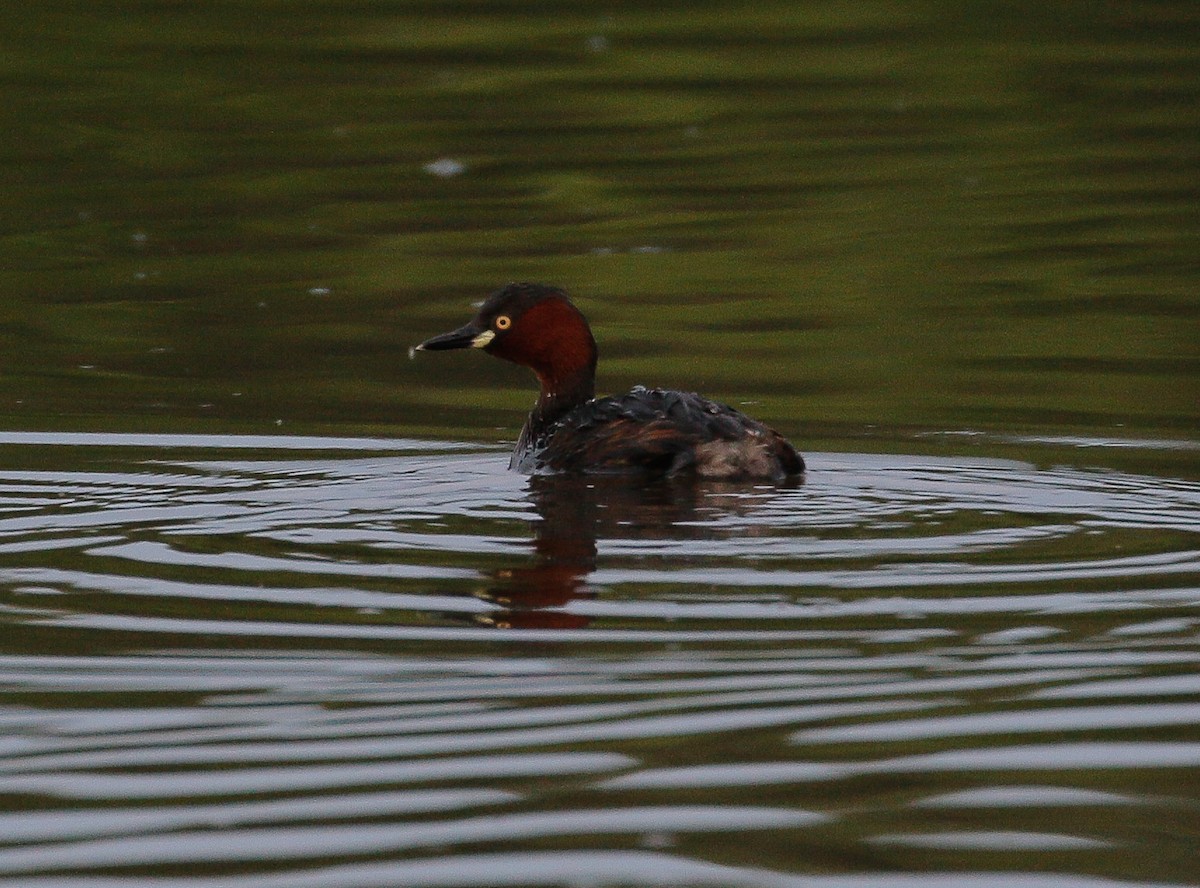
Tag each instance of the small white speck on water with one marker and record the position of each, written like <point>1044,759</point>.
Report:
<point>445,167</point>
<point>319,291</point>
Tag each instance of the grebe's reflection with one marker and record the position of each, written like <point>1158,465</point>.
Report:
<point>574,512</point>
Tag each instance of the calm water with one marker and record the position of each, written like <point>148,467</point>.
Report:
<point>272,611</point>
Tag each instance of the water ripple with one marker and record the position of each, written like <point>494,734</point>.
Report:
<point>291,662</point>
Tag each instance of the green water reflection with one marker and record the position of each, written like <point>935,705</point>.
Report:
<point>238,216</point>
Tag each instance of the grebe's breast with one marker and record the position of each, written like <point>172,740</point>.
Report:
<point>660,433</point>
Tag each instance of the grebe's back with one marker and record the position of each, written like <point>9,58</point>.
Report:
<point>660,432</point>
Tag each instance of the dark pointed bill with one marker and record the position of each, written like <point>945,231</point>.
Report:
<point>468,336</point>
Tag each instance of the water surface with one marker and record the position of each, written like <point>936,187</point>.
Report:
<point>355,663</point>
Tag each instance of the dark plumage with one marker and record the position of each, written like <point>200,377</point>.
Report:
<point>662,432</point>
<point>645,430</point>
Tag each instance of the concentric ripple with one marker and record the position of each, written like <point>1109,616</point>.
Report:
<point>346,662</point>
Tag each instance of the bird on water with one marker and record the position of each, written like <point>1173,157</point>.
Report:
<point>657,432</point>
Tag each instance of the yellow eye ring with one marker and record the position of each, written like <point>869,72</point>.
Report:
<point>503,322</point>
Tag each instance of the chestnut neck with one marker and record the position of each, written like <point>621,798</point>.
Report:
<point>552,339</point>
<point>562,394</point>
<point>558,397</point>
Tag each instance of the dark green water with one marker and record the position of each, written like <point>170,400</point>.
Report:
<point>951,250</point>
<point>982,215</point>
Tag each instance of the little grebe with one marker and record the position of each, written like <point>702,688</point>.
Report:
<point>570,430</point>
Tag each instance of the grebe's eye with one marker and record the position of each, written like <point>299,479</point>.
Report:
<point>503,322</point>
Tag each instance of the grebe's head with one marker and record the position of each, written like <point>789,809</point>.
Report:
<point>533,325</point>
